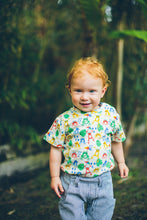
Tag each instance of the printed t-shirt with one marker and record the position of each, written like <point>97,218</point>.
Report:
<point>85,138</point>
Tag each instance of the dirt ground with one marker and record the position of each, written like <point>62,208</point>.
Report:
<point>29,196</point>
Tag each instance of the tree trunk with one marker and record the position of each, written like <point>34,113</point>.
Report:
<point>89,39</point>
<point>120,72</point>
<point>119,76</point>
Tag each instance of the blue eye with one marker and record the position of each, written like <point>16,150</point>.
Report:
<point>78,90</point>
<point>92,91</point>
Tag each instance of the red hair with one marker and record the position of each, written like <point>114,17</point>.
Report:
<point>92,66</point>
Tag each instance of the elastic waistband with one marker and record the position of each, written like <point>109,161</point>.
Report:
<point>84,179</point>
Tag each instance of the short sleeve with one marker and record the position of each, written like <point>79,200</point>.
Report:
<point>56,135</point>
<point>118,134</point>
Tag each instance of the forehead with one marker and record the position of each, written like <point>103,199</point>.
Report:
<point>86,79</point>
<point>83,74</point>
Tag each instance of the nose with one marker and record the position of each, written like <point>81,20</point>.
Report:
<point>84,96</point>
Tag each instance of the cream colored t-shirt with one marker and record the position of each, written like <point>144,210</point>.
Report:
<point>86,139</point>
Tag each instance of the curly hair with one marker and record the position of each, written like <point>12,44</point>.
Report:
<point>92,66</point>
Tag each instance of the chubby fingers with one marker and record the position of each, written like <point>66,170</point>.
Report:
<point>58,191</point>
<point>123,169</point>
<point>61,190</point>
<point>56,185</point>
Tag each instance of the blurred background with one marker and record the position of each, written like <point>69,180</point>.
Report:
<point>39,42</point>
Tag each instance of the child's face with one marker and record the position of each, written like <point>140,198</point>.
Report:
<point>86,92</point>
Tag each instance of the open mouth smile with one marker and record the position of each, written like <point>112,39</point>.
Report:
<point>85,104</point>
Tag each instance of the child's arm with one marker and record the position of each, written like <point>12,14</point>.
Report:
<point>117,151</point>
<point>54,163</point>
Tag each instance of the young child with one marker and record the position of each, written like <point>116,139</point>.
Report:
<point>88,135</point>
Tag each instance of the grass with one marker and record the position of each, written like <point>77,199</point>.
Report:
<point>131,197</point>
<point>32,199</point>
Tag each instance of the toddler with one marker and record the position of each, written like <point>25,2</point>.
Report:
<point>89,136</point>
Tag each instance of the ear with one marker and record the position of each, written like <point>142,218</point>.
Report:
<point>103,91</point>
<point>69,89</point>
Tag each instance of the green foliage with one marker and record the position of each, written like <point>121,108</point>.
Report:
<point>22,137</point>
<point>34,58</point>
<point>92,11</point>
<point>144,6</point>
<point>40,40</point>
<point>133,33</point>
<point>135,78</point>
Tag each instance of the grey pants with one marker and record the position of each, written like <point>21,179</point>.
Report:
<point>87,198</point>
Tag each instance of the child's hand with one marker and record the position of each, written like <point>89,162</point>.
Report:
<point>56,185</point>
<point>123,170</point>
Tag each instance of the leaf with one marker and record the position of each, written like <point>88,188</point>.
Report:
<point>133,33</point>
<point>91,10</point>
<point>143,3</point>
<point>11,190</point>
<point>11,212</point>
<point>144,7</point>
<point>124,179</point>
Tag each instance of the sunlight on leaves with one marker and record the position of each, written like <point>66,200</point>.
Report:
<point>11,212</point>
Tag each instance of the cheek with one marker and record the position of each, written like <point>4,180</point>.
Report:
<point>96,99</point>
<point>74,98</point>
